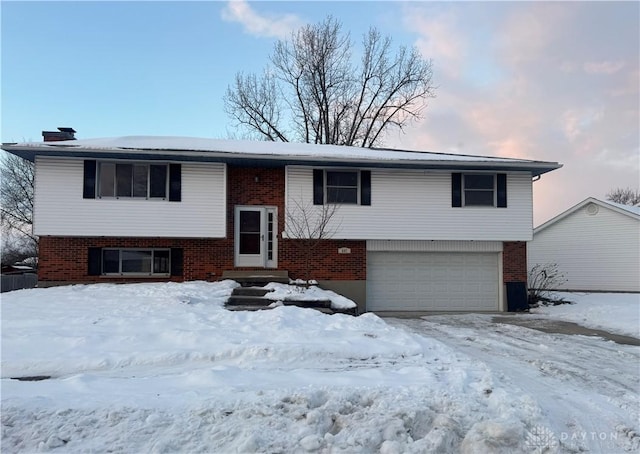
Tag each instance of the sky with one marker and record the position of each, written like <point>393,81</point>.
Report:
<point>552,81</point>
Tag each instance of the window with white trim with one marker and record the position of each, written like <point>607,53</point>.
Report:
<point>479,189</point>
<point>151,262</point>
<point>342,186</point>
<point>138,180</point>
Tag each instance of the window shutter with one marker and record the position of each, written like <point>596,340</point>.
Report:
<point>365,187</point>
<point>177,261</point>
<point>89,188</point>
<point>501,183</point>
<point>175,182</point>
<point>318,187</point>
<point>94,267</point>
<point>456,189</point>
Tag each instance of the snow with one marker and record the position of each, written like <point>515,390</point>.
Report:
<point>630,208</point>
<point>284,292</point>
<point>245,147</point>
<point>615,312</point>
<point>164,367</point>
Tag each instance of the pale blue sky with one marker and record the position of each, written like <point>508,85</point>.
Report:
<point>554,81</point>
<point>137,68</point>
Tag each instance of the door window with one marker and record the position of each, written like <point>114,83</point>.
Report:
<point>249,232</point>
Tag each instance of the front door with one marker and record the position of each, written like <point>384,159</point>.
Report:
<point>256,236</point>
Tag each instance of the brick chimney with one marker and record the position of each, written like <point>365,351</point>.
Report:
<point>60,134</point>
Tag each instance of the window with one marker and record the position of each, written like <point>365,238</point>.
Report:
<point>341,186</point>
<point>122,180</point>
<point>479,190</point>
<point>136,261</point>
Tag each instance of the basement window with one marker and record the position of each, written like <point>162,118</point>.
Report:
<point>148,262</point>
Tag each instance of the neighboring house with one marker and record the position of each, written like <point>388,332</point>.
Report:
<point>414,230</point>
<point>595,244</point>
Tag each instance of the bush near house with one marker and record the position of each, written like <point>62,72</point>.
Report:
<point>543,279</point>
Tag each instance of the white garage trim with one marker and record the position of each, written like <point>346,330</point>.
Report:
<point>434,281</point>
<point>434,246</point>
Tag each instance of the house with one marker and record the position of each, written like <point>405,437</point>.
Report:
<point>413,230</point>
<point>596,245</point>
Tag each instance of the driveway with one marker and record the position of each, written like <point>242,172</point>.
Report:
<point>587,387</point>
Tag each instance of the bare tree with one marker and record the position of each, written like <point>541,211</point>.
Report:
<point>625,196</point>
<point>16,198</point>
<point>307,226</point>
<point>314,93</point>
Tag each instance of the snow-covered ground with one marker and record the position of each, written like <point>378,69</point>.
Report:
<point>165,368</point>
<point>614,312</point>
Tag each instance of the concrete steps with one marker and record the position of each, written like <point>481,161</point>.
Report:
<point>251,295</point>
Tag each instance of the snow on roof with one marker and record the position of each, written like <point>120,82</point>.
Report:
<point>259,148</point>
<point>251,147</point>
<point>631,209</point>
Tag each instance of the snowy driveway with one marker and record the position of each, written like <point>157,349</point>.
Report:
<point>587,388</point>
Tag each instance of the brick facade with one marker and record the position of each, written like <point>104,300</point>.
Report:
<point>65,259</point>
<point>514,261</point>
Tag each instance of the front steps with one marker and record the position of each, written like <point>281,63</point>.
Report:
<point>251,295</point>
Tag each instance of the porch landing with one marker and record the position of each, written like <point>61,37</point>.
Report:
<point>257,278</point>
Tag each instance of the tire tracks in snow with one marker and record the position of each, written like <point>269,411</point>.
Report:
<point>587,387</point>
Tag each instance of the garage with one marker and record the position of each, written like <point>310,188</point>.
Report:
<point>432,281</point>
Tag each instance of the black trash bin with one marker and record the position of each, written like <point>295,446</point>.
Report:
<point>517,300</point>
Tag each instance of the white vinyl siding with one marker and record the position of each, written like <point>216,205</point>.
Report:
<point>434,246</point>
<point>595,251</point>
<point>61,210</point>
<point>416,205</point>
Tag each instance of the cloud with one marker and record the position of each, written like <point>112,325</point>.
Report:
<point>603,67</point>
<point>567,90</point>
<point>439,39</point>
<point>577,123</point>
<point>269,26</point>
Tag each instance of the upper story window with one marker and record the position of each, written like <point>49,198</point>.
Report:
<point>341,186</point>
<point>350,187</point>
<point>479,190</point>
<point>132,180</point>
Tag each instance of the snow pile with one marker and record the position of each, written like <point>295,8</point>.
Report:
<point>284,292</point>
<point>165,368</point>
<point>614,312</point>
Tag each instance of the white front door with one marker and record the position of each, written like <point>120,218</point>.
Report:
<point>256,236</point>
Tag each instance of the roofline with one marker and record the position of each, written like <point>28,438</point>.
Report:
<point>30,151</point>
<point>576,207</point>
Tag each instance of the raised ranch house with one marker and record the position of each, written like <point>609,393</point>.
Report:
<point>413,230</point>
<point>596,245</point>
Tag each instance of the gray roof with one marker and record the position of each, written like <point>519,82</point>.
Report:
<point>268,154</point>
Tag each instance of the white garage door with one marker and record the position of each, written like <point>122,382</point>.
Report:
<point>432,281</point>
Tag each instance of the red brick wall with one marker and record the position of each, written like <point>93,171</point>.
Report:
<point>243,189</point>
<point>65,258</point>
<point>514,261</point>
<point>327,263</point>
